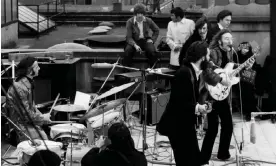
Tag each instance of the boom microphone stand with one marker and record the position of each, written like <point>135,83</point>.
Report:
<point>144,103</point>
<point>95,98</point>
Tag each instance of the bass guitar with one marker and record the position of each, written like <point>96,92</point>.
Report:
<point>220,92</point>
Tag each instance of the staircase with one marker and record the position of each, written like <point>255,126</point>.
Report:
<point>32,23</point>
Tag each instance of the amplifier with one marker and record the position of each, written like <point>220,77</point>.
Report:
<point>156,105</point>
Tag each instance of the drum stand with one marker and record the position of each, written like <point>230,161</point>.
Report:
<point>144,103</point>
<point>17,128</point>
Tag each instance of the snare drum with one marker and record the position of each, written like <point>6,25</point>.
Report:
<point>26,149</point>
<point>78,151</point>
<point>64,131</point>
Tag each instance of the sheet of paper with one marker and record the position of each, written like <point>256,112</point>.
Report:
<point>82,99</point>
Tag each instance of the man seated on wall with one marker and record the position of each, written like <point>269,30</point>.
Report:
<point>138,36</point>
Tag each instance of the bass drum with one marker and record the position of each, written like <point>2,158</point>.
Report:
<point>26,149</point>
<point>100,122</point>
<point>74,130</point>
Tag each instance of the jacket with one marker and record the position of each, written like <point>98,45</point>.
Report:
<point>133,30</point>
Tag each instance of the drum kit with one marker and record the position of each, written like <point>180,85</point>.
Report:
<point>98,119</point>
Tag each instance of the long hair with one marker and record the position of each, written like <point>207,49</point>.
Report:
<point>199,24</point>
<point>196,51</point>
<point>24,67</point>
<point>121,139</point>
<point>139,8</point>
<point>215,41</point>
<point>244,57</point>
<point>250,52</point>
<point>44,158</point>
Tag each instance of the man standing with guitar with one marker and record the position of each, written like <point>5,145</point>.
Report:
<point>221,55</point>
<point>184,105</point>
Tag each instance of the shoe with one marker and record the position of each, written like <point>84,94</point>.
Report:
<point>215,158</point>
<point>227,159</point>
<point>205,164</point>
<point>273,119</point>
<point>247,117</point>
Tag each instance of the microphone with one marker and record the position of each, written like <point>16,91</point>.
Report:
<point>253,131</point>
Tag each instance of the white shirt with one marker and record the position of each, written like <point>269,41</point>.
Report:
<point>197,70</point>
<point>140,26</point>
<point>177,34</point>
<point>220,26</point>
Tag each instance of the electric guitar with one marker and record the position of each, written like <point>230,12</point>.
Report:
<point>220,92</point>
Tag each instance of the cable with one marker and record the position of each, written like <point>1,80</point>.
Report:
<point>9,162</point>
<point>261,161</point>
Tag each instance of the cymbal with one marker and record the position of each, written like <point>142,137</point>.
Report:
<point>69,108</point>
<point>73,127</point>
<point>115,90</point>
<point>103,108</point>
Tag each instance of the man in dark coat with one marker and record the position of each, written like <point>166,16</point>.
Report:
<point>224,19</point>
<point>180,114</point>
<point>202,32</point>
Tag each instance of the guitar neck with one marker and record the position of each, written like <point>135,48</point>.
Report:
<point>238,69</point>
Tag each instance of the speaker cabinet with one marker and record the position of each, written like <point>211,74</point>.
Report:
<point>156,105</point>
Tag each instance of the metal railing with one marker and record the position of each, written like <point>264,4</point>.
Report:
<point>152,3</point>
<point>38,12</point>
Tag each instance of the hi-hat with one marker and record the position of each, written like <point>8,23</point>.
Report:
<point>69,108</point>
<point>103,108</point>
<point>115,90</point>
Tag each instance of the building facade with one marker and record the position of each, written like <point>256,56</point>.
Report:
<point>9,23</point>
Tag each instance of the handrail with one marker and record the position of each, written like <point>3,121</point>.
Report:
<point>37,6</point>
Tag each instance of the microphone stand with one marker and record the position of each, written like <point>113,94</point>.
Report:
<point>114,65</point>
<point>144,100</point>
<point>143,104</point>
<point>12,66</point>
<point>237,57</point>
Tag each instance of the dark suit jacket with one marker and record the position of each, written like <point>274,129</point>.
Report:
<point>195,37</point>
<point>214,29</point>
<point>179,114</point>
<point>133,30</point>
